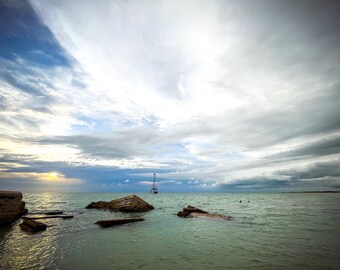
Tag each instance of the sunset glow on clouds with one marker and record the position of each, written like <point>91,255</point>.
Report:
<point>211,95</point>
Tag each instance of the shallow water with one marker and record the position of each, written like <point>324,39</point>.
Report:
<point>272,231</point>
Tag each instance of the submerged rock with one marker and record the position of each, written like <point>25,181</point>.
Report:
<point>183,214</point>
<point>131,203</point>
<point>32,226</point>
<point>48,216</point>
<point>194,212</point>
<point>191,209</point>
<point>11,206</point>
<point>209,215</point>
<point>114,222</point>
<point>51,213</point>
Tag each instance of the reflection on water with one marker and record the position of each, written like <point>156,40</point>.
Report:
<point>24,250</point>
<point>272,231</point>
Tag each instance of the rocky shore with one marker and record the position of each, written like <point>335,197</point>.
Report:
<point>11,206</point>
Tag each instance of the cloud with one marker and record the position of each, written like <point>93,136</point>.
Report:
<point>147,183</point>
<point>47,178</point>
<point>316,171</point>
<point>215,93</point>
<point>324,147</point>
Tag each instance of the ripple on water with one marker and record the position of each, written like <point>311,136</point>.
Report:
<point>273,231</point>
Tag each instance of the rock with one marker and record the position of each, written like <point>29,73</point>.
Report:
<point>98,205</point>
<point>53,213</point>
<point>49,213</point>
<point>191,209</point>
<point>209,215</point>
<point>22,210</point>
<point>48,216</point>
<point>11,206</point>
<point>194,212</point>
<point>183,214</point>
<point>32,226</point>
<point>131,203</point>
<point>114,222</point>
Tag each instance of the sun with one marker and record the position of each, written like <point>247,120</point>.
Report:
<point>52,175</point>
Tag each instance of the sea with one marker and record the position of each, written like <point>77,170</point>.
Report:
<point>268,231</point>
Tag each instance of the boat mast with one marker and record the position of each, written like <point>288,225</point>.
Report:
<point>154,190</point>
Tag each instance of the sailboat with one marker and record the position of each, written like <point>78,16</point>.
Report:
<point>154,190</point>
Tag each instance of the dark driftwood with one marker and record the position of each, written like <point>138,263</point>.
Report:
<point>51,216</point>
<point>32,226</point>
<point>114,222</point>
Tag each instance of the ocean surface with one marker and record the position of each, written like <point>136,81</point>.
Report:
<point>271,231</point>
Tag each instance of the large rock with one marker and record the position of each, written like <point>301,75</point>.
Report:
<point>131,203</point>
<point>11,206</point>
<point>194,212</point>
<point>115,222</point>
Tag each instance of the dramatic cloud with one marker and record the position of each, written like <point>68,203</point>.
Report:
<point>208,94</point>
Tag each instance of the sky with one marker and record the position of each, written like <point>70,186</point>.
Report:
<point>212,96</point>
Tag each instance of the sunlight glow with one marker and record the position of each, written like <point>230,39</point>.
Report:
<point>52,175</point>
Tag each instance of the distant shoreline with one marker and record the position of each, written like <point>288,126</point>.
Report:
<point>327,191</point>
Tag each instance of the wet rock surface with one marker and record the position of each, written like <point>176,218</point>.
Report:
<point>191,209</point>
<point>11,206</point>
<point>115,222</point>
<point>32,226</point>
<point>210,215</point>
<point>131,203</point>
<point>48,216</point>
<point>47,213</point>
<point>51,213</point>
<point>194,212</point>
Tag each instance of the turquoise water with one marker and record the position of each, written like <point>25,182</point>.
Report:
<point>272,231</point>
